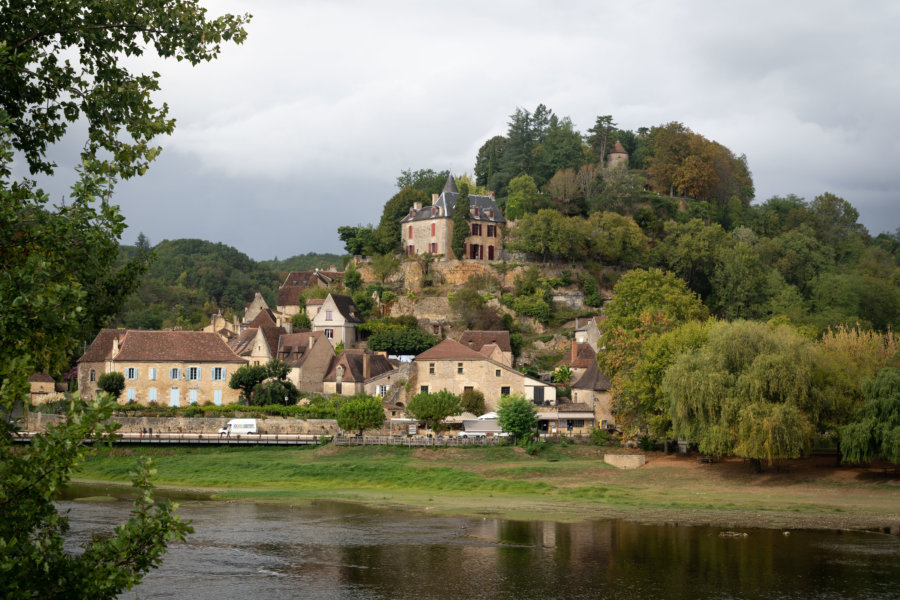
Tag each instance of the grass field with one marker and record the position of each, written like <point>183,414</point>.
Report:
<point>560,483</point>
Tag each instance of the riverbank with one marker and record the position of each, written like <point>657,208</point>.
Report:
<point>560,483</point>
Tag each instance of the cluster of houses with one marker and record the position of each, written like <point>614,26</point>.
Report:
<point>194,367</point>
<point>178,368</point>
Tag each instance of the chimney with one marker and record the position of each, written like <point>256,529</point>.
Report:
<point>115,348</point>
<point>417,206</point>
<point>366,368</point>
<point>574,350</point>
<point>491,195</point>
<point>434,198</point>
<point>312,340</point>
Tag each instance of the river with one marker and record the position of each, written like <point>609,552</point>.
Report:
<point>341,550</point>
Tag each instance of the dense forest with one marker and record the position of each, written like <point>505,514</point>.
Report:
<point>188,280</point>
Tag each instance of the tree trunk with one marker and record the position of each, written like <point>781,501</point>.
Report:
<point>757,465</point>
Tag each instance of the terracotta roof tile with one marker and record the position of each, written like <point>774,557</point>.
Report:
<point>41,378</point>
<point>477,339</point>
<point>584,357</point>
<point>354,367</point>
<point>618,148</point>
<point>293,347</point>
<point>187,346</point>
<point>449,350</point>
<point>101,348</point>
<point>265,317</point>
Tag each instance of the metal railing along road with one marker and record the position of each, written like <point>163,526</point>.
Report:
<point>211,439</point>
<point>415,441</point>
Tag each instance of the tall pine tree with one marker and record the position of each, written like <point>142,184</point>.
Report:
<point>460,224</point>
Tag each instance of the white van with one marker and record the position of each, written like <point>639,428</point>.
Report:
<point>239,426</point>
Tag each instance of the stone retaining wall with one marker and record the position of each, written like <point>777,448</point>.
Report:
<point>273,425</point>
<point>625,461</point>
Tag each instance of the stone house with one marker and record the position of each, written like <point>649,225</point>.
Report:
<point>593,389</point>
<point>338,319</point>
<point>288,302</point>
<point>430,228</point>
<point>42,387</point>
<point>258,345</point>
<point>492,344</point>
<point>454,367</point>
<point>590,332</point>
<point>352,370</point>
<point>568,418</point>
<point>173,367</point>
<point>309,355</point>
<point>579,358</point>
<point>313,306</point>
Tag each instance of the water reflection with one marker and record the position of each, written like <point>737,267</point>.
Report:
<point>337,550</point>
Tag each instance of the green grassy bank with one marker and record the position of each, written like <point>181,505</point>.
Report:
<point>560,483</point>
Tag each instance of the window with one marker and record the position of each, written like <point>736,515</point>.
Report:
<point>410,250</point>
<point>492,231</point>
<point>459,368</point>
<point>152,373</point>
<point>218,374</point>
<point>93,375</point>
<point>432,248</point>
<point>410,232</point>
<point>504,391</point>
<point>490,253</point>
<point>131,394</point>
<point>476,229</point>
<point>339,388</point>
<point>329,333</point>
<point>476,211</point>
<point>468,388</point>
<point>175,373</point>
<point>151,395</point>
<point>424,389</point>
<point>192,396</point>
<point>431,368</point>
<point>497,373</point>
<point>433,226</point>
<point>328,315</point>
<point>131,373</point>
<point>193,373</point>
<point>383,390</point>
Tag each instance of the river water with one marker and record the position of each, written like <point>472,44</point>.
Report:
<point>340,550</point>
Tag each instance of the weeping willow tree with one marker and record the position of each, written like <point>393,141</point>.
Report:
<point>749,391</point>
<point>876,432</point>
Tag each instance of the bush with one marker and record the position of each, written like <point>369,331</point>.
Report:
<point>533,306</point>
<point>112,383</point>
<point>646,443</point>
<point>473,401</point>
<point>600,437</point>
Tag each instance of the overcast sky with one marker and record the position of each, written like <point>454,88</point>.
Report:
<point>306,126</point>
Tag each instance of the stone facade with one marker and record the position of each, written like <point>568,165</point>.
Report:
<point>453,367</point>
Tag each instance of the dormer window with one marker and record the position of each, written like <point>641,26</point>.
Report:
<point>433,211</point>
<point>490,213</point>
<point>476,212</point>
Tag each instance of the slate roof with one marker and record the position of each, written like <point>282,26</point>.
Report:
<point>293,348</point>
<point>171,346</point>
<point>593,379</point>
<point>101,348</point>
<point>476,340</point>
<point>446,203</point>
<point>450,350</point>
<point>346,307</point>
<point>352,360</point>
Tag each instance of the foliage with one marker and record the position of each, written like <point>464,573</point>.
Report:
<point>191,279</point>
<point>360,412</point>
<point>876,430</point>
<point>384,265</point>
<point>655,290</point>
<point>303,262</point>
<point>60,282</point>
<point>113,383</point>
<point>749,390</point>
<point>562,375</point>
<point>387,234</point>
<point>517,416</point>
<point>246,378</point>
<point>460,223</point>
<point>401,341</point>
<point>427,181</point>
<point>524,198</point>
<point>472,401</point>
<point>600,437</point>
<point>359,240</point>
<point>275,391</point>
<point>434,407</point>
<point>300,321</point>
<point>352,278</point>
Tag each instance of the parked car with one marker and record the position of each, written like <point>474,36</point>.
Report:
<point>471,434</point>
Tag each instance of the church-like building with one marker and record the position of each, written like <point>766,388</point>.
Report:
<point>430,228</point>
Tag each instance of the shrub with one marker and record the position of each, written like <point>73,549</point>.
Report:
<point>600,437</point>
<point>112,383</point>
